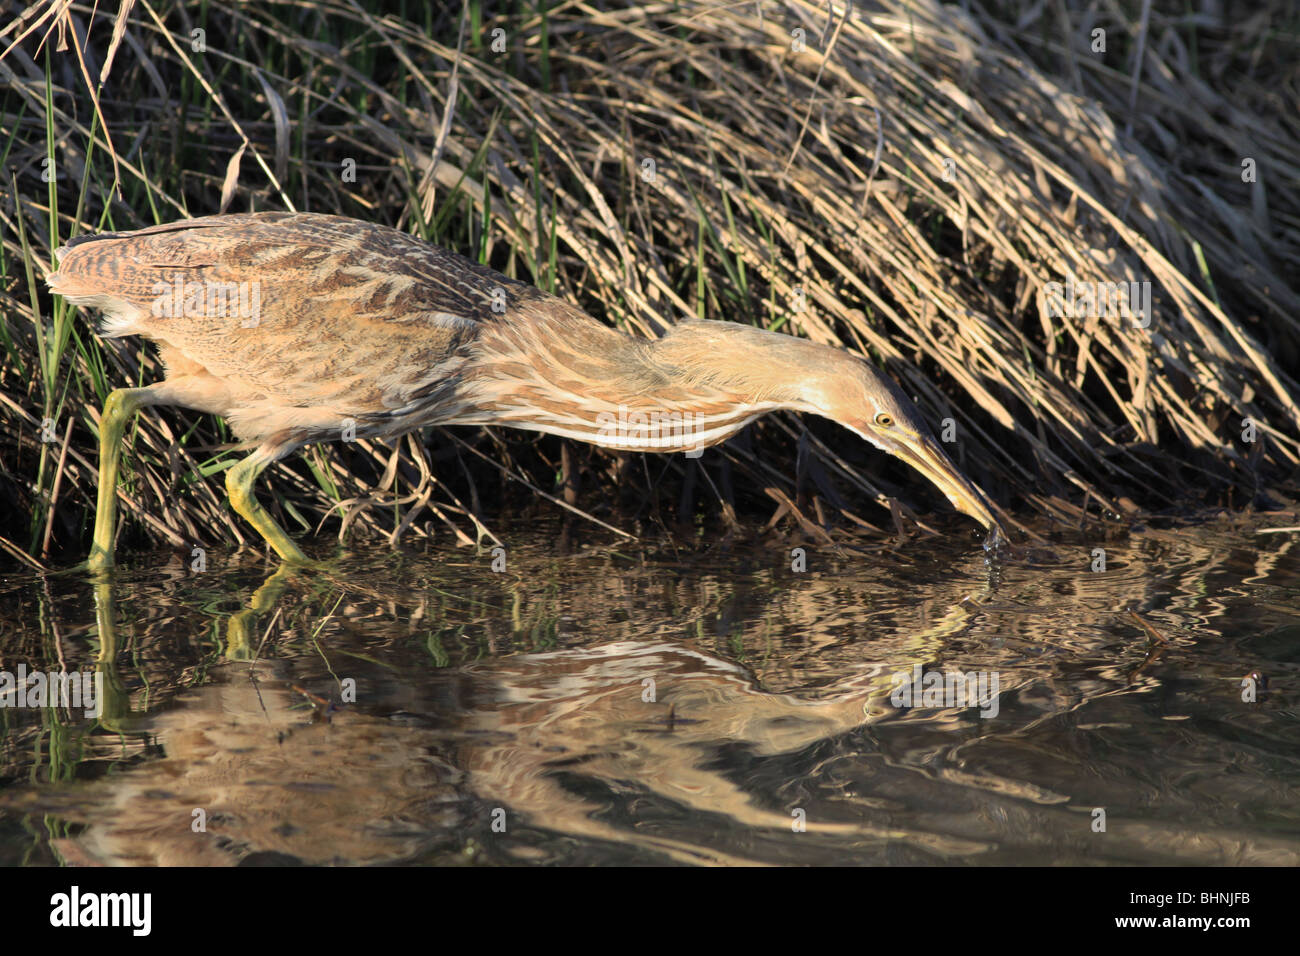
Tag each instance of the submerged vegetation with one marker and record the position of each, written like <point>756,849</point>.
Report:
<point>1071,234</point>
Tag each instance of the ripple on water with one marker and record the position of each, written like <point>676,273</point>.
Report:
<point>628,704</point>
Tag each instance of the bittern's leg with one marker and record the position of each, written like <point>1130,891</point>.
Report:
<point>239,486</point>
<point>118,409</point>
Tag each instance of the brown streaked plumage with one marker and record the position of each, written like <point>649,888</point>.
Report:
<point>293,326</point>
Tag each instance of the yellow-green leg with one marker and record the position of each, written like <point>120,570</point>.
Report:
<point>239,486</point>
<point>120,406</point>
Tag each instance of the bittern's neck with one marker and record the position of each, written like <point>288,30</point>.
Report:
<point>753,366</point>
<point>695,387</point>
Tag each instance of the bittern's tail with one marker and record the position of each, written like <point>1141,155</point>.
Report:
<point>82,280</point>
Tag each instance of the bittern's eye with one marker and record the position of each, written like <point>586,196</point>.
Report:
<point>885,420</point>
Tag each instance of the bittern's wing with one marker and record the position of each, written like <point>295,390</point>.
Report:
<point>303,308</point>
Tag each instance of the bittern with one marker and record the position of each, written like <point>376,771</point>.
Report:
<point>299,328</point>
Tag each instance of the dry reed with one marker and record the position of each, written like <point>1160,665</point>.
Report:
<point>906,184</point>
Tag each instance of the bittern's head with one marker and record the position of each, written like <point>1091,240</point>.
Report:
<point>763,367</point>
<point>865,401</point>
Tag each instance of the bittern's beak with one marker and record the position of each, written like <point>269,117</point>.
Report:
<point>924,454</point>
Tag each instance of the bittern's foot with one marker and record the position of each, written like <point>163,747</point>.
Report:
<point>290,555</point>
<point>98,560</point>
<point>87,568</point>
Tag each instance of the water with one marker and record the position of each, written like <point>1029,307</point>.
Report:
<point>597,702</point>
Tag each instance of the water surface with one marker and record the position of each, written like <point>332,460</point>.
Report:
<point>600,702</point>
